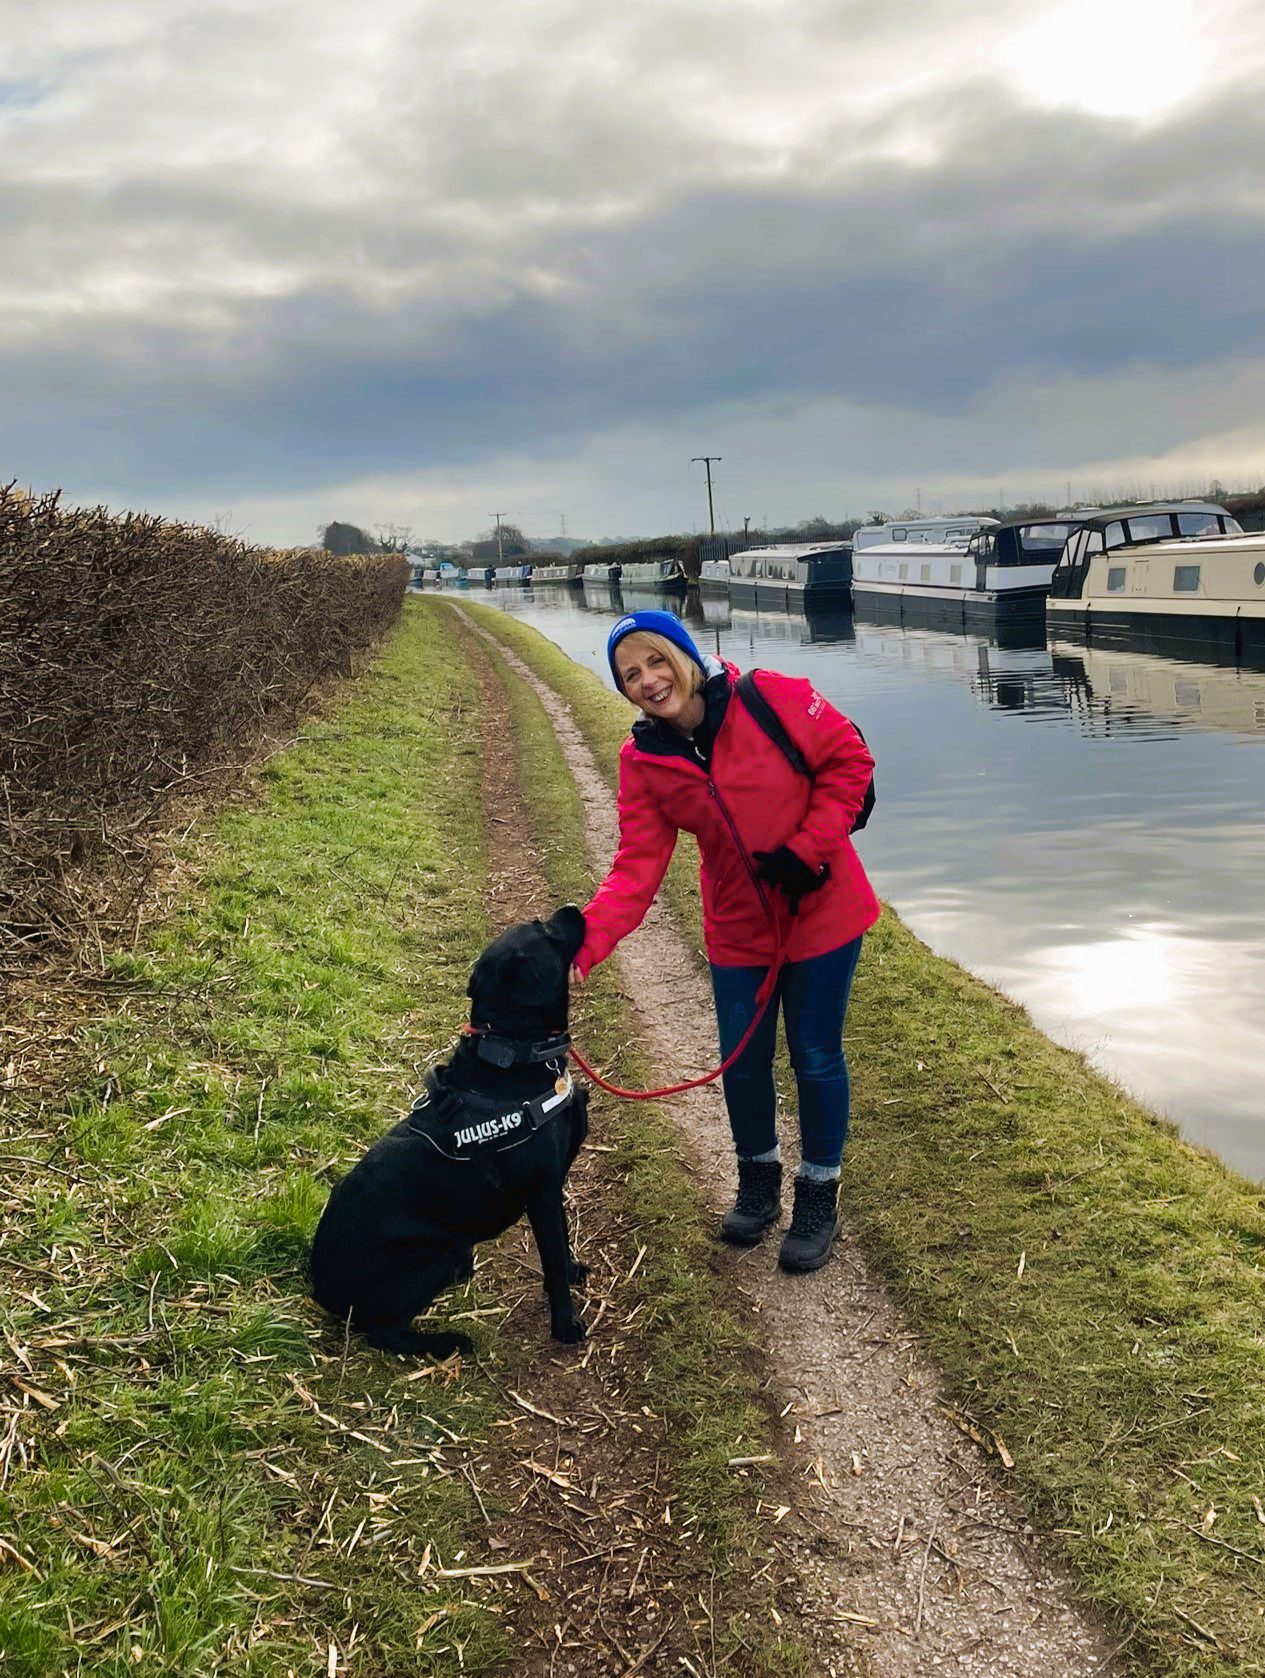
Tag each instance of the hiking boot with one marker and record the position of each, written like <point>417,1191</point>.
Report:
<point>759,1202</point>
<point>814,1224</point>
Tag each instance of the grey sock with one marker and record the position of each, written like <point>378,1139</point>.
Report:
<point>819,1173</point>
<point>773,1157</point>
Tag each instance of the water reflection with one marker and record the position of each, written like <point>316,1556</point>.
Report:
<point>1084,827</point>
<point>1113,689</point>
<point>1009,673</point>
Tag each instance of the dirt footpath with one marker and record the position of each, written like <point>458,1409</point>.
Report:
<point>912,1556</point>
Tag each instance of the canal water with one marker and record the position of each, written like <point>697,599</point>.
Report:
<point>1083,828</point>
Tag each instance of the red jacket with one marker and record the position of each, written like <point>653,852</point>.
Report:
<point>750,785</point>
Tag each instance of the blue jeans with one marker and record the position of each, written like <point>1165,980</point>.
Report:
<point>813,996</point>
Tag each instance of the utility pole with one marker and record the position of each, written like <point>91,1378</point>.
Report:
<point>563,532</point>
<point>500,551</point>
<point>707,461</point>
<point>746,525</point>
<point>918,501</point>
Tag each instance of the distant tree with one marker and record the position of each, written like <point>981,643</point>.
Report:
<point>395,538</point>
<point>815,529</point>
<point>876,517</point>
<point>339,538</point>
<point>513,543</point>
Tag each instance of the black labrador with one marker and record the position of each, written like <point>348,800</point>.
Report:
<point>493,1137</point>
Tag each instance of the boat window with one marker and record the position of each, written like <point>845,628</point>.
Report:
<point>1258,576</point>
<point>1198,524</point>
<point>1094,543</point>
<point>1114,536</point>
<point>899,534</point>
<point>1153,527</point>
<point>1232,527</point>
<point>955,572</point>
<point>1042,538</point>
<point>926,574</point>
<point>1115,578</point>
<point>1185,579</point>
<point>904,572</point>
<point>987,546</point>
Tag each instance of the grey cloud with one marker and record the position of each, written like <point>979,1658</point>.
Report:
<point>538,262</point>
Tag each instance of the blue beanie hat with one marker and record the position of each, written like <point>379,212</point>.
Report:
<point>651,622</point>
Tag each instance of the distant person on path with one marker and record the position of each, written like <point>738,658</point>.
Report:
<point>774,849</point>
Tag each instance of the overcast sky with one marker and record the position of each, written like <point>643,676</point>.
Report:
<point>414,262</point>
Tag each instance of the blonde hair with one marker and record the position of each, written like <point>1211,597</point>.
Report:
<point>687,675</point>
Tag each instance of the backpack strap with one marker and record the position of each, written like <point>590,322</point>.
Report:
<point>768,721</point>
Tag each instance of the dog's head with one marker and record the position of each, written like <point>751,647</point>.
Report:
<point>519,986</point>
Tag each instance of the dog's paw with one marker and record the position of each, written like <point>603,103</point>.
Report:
<point>570,1333</point>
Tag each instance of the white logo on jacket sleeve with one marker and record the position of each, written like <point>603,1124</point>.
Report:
<point>818,705</point>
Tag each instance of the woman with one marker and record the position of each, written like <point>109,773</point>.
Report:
<point>776,866</point>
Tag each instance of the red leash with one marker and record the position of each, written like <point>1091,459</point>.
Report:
<point>763,997</point>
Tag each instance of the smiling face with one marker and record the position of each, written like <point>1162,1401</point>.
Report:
<point>660,679</point>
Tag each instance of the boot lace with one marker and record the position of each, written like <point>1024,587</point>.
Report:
<point>755,1185</point>
<point>815,1207</point>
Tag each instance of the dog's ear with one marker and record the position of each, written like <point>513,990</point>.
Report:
<point>566,929</point>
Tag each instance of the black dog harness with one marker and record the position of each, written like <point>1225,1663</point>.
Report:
<point>466,1127</point>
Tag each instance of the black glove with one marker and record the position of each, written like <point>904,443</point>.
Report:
<point>792,876</point>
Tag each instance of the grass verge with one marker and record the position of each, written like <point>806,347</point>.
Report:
<point>1090,1283</point>
<point>196,1476</point>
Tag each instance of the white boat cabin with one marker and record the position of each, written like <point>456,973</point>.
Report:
<point>951,532</point>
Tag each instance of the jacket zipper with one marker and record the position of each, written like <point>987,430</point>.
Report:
<point>742,849</point>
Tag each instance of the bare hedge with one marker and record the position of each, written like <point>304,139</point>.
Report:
<point>136,655</point>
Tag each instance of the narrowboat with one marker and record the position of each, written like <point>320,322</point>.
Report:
<point>714,578</point>
<point>1003,567</point>
<point>791,574</point>
<point>564,571</point>
<point>513,573</point>
<point>951,532</point>
<point>1177,575</point>
<point>665,576</point>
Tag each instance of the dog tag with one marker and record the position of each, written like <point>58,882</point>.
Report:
<point>561,1086</point>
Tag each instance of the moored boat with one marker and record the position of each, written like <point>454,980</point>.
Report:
<point>714,578</point>
<point>791,574</point>
<point>953,532</point>
<point>1169,576</point>
<point>666,575</point>
<point>513,573</point>
<point>566,571</point>
<point>1002,567</point>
